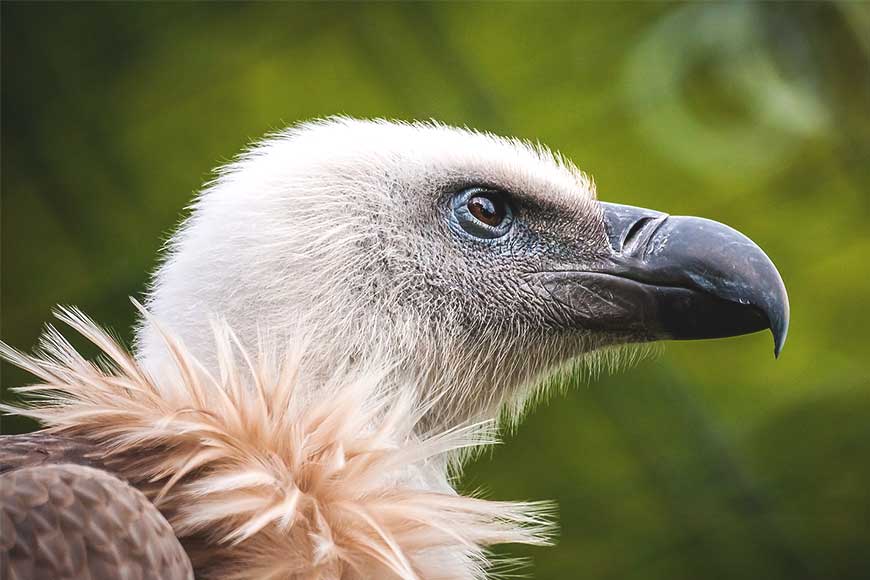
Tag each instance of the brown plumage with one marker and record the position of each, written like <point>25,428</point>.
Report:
<point>66,521</point>
<point>65,515</point>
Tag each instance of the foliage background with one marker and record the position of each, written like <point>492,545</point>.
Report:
<point>711,461</point>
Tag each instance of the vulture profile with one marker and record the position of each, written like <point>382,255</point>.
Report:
<point>347,312</point>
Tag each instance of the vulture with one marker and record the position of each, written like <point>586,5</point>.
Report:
<point>351,308</point>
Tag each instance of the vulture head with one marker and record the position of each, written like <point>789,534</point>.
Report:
<point>460,267</point>
<point>468,264</point>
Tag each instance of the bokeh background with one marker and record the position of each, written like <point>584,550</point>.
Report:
<point>712,460</point>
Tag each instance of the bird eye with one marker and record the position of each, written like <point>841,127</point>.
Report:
<point>483,213</point>
<point>488,209</point>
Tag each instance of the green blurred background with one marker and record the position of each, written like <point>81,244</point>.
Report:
<point>712,460</point>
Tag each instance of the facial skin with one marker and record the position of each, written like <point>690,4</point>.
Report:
<point>469,265</point>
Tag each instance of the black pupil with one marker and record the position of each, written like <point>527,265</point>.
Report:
<point>487,209</point>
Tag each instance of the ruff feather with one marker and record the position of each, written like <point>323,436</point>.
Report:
<point>265,475</point>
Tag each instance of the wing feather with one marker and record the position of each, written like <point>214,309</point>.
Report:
<point>66,521</point>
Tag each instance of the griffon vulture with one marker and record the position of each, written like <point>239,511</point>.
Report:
<point>349,306</point>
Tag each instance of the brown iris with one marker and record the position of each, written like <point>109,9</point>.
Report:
<point>487,208</point>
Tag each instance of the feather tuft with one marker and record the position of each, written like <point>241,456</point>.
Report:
<point>264,473</point>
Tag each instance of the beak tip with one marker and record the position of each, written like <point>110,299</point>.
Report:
<point>779,336</point>
<point>779,329</point>
<point>778,343</point>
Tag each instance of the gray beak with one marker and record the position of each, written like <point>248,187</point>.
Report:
<point>675,277</point>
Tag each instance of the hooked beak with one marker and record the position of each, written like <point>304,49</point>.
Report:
<point>675,277</point>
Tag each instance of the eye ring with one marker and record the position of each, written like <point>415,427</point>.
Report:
<point>483,212</point>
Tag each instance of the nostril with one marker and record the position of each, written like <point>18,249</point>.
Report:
<point>628,228</point>
<point>634,231</point>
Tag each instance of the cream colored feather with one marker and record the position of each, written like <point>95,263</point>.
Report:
<point>264,475</point>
